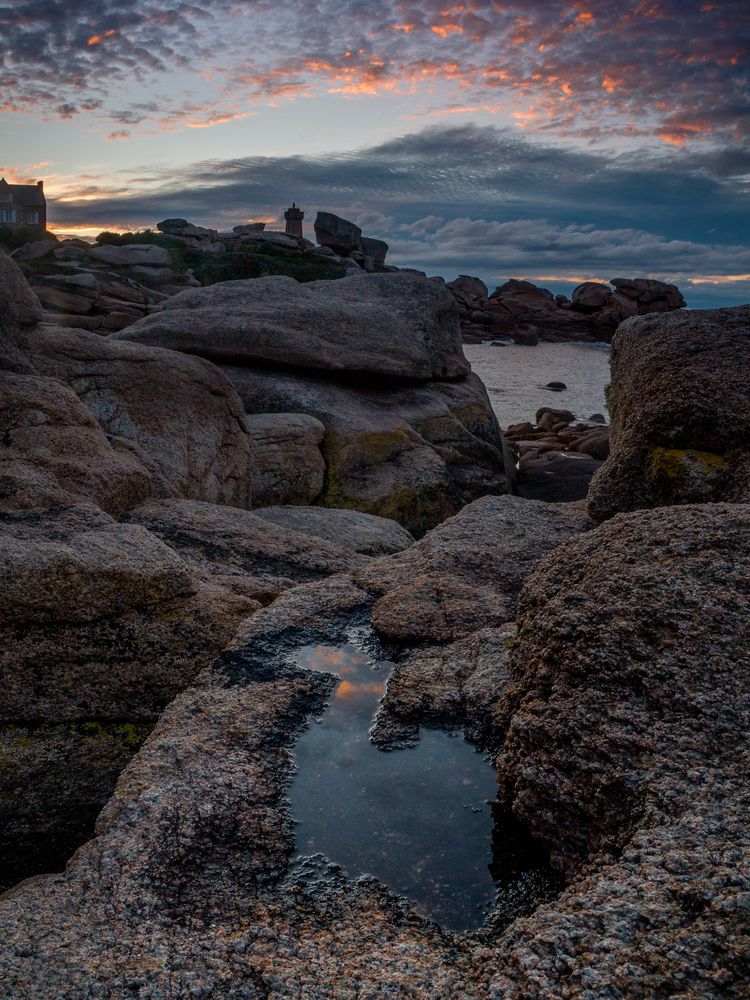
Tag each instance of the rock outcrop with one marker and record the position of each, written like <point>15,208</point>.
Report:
<point>557,455</point>
<point>408,433</point>
<point>389,326</point>
<point>525,313</point>
<point>678,402</point>
<point>618,713</point>
<point>365,533</point>
<point>19,312</point>
<point>179,414</point>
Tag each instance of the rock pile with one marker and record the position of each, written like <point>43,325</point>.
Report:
<point>361,384</point>
<point>345,239</point>
<point>107,286</point>
<point>97,288</point>
<point>525,313</point>
<point>557,455</point>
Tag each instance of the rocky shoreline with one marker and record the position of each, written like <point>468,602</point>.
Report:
<point>187,502</point>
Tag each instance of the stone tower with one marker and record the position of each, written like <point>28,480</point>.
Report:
<point>294,217</point>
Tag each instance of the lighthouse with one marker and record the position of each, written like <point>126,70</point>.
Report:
<point>294,217</point>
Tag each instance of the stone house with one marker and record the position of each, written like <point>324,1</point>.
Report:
<point>22,205</point>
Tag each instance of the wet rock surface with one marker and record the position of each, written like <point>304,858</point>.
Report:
<point>619,727</point>
<point>557,455</point>
<point>678,401</point>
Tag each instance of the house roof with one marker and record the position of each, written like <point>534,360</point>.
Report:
<point>29,195</point>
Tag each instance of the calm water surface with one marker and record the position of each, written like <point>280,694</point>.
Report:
<point>514,377</point>
<point>422,820</point>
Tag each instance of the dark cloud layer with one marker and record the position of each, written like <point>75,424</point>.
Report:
<point>674,69</point>
<point>475,200</point>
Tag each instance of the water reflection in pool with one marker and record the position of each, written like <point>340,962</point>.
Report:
<point>420,819</point>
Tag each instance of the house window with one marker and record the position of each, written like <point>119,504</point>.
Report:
<point>32,218</point>
<point>6,196</point>
<point>7,215</point>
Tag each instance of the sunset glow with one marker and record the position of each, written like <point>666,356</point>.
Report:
<point>338,114</point>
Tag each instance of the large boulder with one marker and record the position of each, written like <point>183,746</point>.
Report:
<point>415,454</point>
<point>179,412</point>
<point>101,625</point>
<point>54,451</point>
<point>377,250</point>
<point>20,310</point>
<point>627,753</point>
<point>649,294</point>
<point>590,296</point>
<point>288,467</point>
<point>389,325</point>
<point>242,552</point>
<point>339,234</point>
<point>680,428</point>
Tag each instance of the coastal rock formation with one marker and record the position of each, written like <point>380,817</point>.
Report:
<point>19,312</point>
<point>680,423</point>
<point>288,466</point>
<point>377,360</point>
<point>626,752</point>
<point>241,552</point>
<point>384,325</point>
<point>338,234</point>
<point>179,414</point>
<point>54,450</point>
<point>102,624</point>
<point>413,453</point>
<point>365,533</point>
<point>618,713</point>
<point>557,455</point>
<point>522,311</point>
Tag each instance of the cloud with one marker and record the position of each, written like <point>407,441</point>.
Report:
<point>466,199</point>
<point>674,71</point>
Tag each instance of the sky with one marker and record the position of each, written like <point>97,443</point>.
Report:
<point>554,141</point>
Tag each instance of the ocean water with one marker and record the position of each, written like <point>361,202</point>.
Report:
<point>514,377</point>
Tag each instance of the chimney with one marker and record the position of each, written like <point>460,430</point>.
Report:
<point>40,185</point>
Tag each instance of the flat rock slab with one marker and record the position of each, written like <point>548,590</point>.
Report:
<point>389,325</point>
<point>241,551</point>
<point>365,533</point>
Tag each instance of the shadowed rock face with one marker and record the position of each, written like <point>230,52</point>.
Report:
<point>19,311</point>
<point>179,414</point>
<point>680,429</point>
<point>415,454</point>
<point>619,712</point>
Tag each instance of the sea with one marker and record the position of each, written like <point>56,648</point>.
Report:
<point>515,378</point>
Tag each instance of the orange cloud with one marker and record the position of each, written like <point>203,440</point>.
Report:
<point>444,30</point>
<point>98,39</point>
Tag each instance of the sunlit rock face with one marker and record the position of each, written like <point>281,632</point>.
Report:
<point>680,427</point>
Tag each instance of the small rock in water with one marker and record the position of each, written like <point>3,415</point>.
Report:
<point>555,386</point>
<point>597,418</point>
